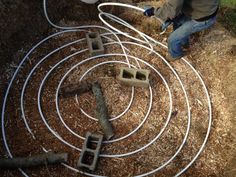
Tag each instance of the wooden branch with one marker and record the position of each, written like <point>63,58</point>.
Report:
<point>102,112</point>
<point>73,89</point>
<point>37,160</point>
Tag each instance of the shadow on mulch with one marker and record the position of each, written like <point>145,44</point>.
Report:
<point>227,17</point>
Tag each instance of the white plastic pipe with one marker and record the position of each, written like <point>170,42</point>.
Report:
<point>89,1</point>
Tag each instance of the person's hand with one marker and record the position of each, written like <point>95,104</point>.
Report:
<point>165,25</point>
<point>149,11</point>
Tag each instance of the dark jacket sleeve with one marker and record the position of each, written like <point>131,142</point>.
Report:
<point>170,9</point>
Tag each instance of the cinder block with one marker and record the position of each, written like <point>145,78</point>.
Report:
<point>90,151</point>
<point>134,77</point>
<point>95,44</point>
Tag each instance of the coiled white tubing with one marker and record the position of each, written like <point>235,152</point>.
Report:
<point>146,43</point>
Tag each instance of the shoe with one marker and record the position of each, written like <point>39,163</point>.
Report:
<point>186,47</point>
<point>169,58</point>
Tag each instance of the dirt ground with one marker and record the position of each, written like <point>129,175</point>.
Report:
<point>212,53</point>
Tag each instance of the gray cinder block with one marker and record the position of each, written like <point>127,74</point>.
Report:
<point>95,44</point>
<point>134,77</point>
<point>90,151</point>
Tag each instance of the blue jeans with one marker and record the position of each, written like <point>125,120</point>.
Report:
<point>183,27</point>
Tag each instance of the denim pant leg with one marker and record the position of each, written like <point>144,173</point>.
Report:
<point>181,35</point>
<point>179,21</point>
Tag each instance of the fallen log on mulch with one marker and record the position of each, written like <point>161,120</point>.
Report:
<point>102,112</point>
<point>71,90</point>
<point>33,161</point>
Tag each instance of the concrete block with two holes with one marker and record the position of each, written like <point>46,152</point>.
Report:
<point>134,77</point>
<point>95,43</point>
<point>90,151</point>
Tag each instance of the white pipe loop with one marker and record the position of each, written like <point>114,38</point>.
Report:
<point>39,63</point>
<point>88,59</point>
